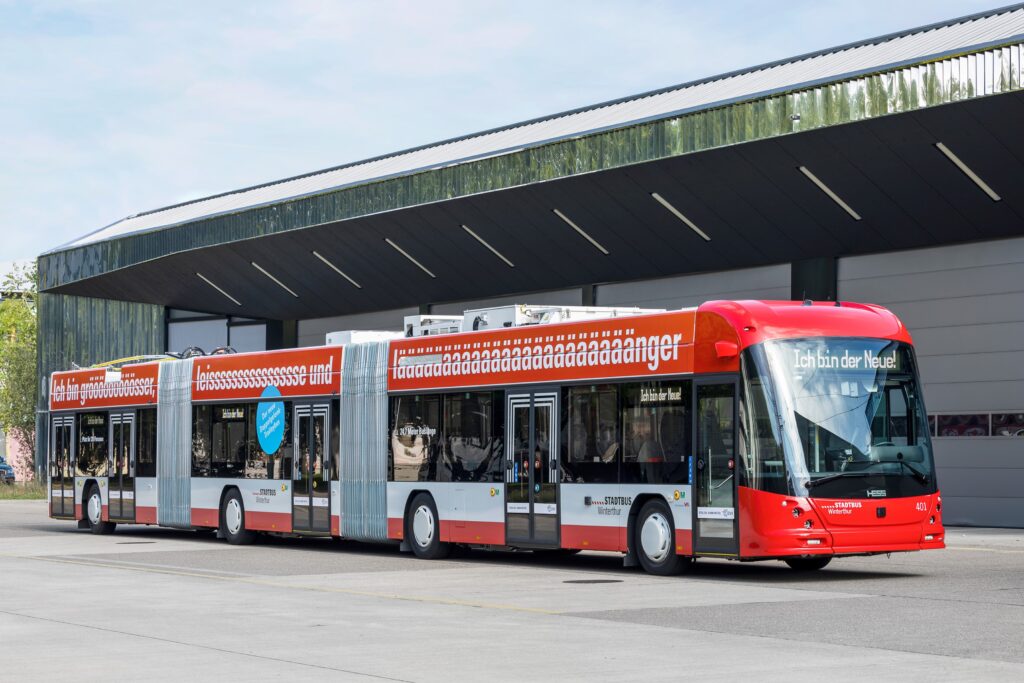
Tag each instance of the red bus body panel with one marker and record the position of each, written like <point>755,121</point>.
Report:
<point>758,321</point>
<point>707,340</point>
<point>768,527</point>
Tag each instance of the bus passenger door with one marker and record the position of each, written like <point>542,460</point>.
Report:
<point>311,480</point>
<point>121,481</point>
<point>531,469</point>
<point>62,474</point>
<point>715,520</point>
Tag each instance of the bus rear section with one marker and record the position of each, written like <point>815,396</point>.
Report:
<point>102,446</point>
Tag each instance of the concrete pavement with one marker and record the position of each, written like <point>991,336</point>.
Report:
<point>168,605</point>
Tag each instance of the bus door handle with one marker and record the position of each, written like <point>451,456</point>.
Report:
<point>722,483</point>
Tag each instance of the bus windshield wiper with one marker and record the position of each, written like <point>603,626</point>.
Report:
<point>918,474</point>
<point>811,483</point>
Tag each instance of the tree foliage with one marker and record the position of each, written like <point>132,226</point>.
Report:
<point>19,384</point>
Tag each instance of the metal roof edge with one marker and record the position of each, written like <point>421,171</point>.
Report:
<point>838,78</point>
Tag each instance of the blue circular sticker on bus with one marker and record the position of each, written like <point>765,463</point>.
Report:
<point>270,420</point>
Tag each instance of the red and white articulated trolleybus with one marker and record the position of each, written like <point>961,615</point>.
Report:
<point>747,430</point>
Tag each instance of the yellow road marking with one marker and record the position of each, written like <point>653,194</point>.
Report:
<point>278,584</point>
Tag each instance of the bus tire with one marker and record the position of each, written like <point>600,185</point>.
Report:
<point>808,564</point>
<point>423,529</point>
<point>232,520</point>
<point>655,540</point>
<point>94,512</point>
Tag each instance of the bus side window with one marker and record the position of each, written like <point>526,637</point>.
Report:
<point>281,463</point>
<point>230,449</point>
<point>257,463</point>
<point>593,440</point>
<point>414,438</point>
<point>92,444</point>
<point>336,439</point>
<point>472,443</point>
<point>201,451</point>
<point>656,426</point>
<point>145,447</point>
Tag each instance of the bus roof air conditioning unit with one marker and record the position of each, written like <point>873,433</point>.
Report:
<point>359,337</point>
<point>427,325</point>
<point>517,315</point>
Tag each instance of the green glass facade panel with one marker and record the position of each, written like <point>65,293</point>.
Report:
<point>84,331</point>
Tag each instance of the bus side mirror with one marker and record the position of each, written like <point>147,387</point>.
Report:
<point>726,349</point>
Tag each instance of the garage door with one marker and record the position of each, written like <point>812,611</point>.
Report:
<point>964,306</point>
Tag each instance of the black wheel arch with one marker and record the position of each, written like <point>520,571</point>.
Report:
<point>634,514</point>
<point>408,507</point>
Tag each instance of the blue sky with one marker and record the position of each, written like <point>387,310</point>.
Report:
<point>112,108</point>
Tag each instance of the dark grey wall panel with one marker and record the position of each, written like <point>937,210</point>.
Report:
<point>982,454</point>
<point>933,259</point>
<point>983,338</point>
<point>313,332</point>
<point>561,297</point>
<point>980,309</point>
<point>986,511</point>
<point>956,282</point>
<point>768,282</point>
<point>961,397</point>
<point>970,366</point>
<point>978,482</point>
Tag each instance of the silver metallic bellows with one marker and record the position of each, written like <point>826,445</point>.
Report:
<point>363,449</point>
<point>174,444</point>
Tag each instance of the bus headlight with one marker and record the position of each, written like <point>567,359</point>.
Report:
<point>797,512</point>
<point>808,524</point>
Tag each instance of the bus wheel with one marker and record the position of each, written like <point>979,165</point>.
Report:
<point>808,564</point>
<point>232,520</point>
<point>654,538</point>
<point>94,512</point>
<point>423,531</point>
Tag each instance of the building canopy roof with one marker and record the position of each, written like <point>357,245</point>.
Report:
<point>917,46</point>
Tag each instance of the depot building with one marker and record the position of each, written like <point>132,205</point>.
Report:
<point>887,171</point>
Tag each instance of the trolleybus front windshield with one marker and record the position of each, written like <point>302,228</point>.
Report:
<point>847,413</point>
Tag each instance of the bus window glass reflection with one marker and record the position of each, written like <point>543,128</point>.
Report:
<point>472,445</point>
<point>415,432</point>
<point>92,444</point>
<point>593,439</point>
<point>656,423</point>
